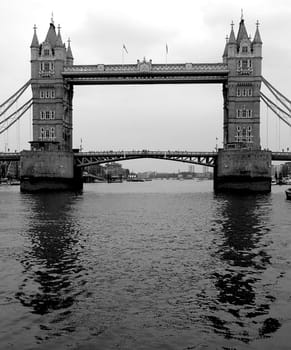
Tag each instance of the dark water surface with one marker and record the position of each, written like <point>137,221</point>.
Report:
<point>154,265</point>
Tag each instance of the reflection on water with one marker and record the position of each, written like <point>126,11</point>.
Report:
<point>160,265</point>
<point>52,267</point>
<point>240,223</point>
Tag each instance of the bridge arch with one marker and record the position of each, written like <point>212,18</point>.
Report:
<point>93,158</point>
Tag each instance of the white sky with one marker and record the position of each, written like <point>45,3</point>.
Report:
<point>155,117</point>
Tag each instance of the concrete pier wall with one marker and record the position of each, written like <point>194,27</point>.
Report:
<point>243,170</point>
<point>49,171</point>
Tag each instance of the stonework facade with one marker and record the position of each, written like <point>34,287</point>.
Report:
<point>52,97</point>
<point>242,91</point>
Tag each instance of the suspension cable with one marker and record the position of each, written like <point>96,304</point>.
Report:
<point>12,114</point>
<point>267,125</point>
<point>14,98</point>
<point>24,87</point>
<point>273,109</point>
<point>275,92</point>
<point>18,117</point>
<point>274,104</point>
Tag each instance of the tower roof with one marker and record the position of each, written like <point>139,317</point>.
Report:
<point>51,36</point>
<point>59,41</point>
<point>34,43</point>
<point>69,50</point>
<point>232,36</point>
<point>225,48</point>
<point>242,32</point>
<point>257,38</point>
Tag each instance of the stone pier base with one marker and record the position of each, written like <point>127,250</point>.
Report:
<point>49,171</point>
<point>243,170</point>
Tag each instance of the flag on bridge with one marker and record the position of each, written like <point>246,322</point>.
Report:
<point>124,48</point>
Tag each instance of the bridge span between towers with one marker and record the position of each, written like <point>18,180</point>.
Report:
<point>144,72</point>
<point>84,159</point>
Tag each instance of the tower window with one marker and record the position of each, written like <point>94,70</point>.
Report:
<point>244,92</point>
<point>50,93</point>
<point>46,52</point>
<point>244,66</point>
<point>244,113</point>
<point>244,49</point>
<point>52,134</point>
<point>47,114</point>
<point>244,134</point>
<point>47,68</point>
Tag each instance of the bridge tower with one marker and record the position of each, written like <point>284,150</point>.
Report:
<point>52,97</point>
<point>242,91</point>
<point>241,164</point>
<point>50,164</point>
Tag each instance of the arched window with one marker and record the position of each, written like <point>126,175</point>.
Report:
<point>42,134</point>
<point>53,133</point>
<point>244,49</point>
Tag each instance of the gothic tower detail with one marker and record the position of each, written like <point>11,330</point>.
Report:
<point>242,91</point>
<point>52,97</point>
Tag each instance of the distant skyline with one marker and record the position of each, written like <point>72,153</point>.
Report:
<point>156,117</point>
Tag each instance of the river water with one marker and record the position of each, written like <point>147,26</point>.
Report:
<point>153,265</point>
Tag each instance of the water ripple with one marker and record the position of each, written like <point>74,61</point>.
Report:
<point>119,268</point>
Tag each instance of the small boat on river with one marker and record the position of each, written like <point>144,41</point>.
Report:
<point>288,193</point>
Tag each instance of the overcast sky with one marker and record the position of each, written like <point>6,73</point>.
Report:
<point>155,117</point>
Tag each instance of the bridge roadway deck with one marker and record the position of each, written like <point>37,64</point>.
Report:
<point>9,157</point>
<point>146,73</point>
<point>284,156</point>
<point>89,158</point>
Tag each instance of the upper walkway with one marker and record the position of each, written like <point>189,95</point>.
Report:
<point>145,72</point>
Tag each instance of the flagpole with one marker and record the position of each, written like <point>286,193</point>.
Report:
<point>122,55</point>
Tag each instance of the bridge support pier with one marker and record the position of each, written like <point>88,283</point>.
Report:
<point>49,171</point>
<point>243,170</point>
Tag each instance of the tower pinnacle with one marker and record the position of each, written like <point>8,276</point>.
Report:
<point>34,43</point>
<point>257,37</point>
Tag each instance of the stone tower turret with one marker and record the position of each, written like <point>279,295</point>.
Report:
<point>52,97</point>
<point>242,91</point>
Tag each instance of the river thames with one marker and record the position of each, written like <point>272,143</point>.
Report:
<point>154,265</point>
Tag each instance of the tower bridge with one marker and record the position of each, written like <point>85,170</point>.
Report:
<point>51,162</point>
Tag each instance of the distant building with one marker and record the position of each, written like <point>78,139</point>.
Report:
<point>115,171</point>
